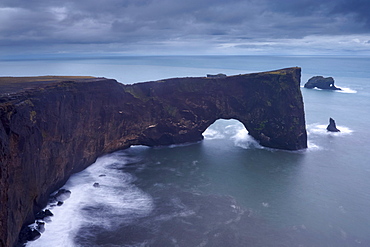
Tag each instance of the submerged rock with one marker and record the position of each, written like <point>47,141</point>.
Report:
<point>61,195</point>
<point>332,126</point>
<point>322,83</point>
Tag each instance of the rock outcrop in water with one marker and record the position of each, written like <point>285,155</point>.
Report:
<point>332,127</point>
<point>53,127</point>
<point>321,83</point>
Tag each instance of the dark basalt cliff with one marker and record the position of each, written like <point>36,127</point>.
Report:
<point>56,128</point>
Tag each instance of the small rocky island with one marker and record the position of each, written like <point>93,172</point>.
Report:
<point>332,127</point>
<point>321,83</point>
<point>52,127</point>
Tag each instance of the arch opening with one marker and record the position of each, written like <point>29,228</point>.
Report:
<point>231,131</point>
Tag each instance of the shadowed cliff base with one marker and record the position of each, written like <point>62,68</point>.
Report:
<point>52,129</point>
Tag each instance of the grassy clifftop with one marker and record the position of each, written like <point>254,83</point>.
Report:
<point>15,84</point>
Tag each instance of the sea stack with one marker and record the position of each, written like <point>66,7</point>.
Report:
<point>321,83</point>
<point>332,127</point>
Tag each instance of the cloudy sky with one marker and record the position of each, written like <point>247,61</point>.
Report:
<point>162,27</point>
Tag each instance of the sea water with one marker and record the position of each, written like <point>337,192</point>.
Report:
<point>226,190</point>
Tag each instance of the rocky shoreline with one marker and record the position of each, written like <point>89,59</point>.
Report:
<point>34,231</point>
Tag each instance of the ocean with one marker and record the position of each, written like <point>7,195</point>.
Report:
<point>226,190</point>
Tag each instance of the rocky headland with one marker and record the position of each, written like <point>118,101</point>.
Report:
<point>52,127</point>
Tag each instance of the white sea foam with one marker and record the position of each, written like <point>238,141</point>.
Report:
<point>232,129</point>
<point>346,90</point>
<point>244,140</point>
<point>211,134</point>
<point>312,146</point>
<point>115,200</point>
<point>320,129</point>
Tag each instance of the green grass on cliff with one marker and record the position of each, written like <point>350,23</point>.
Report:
<point>14,84</point>
<point>12,80</point>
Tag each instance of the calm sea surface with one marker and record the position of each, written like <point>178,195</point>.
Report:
<point>226,190</point>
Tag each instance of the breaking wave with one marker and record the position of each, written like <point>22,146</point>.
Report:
<point>102,195</point>
<point>231,130</point>
<point>212,134</point>
<point>244,140</point>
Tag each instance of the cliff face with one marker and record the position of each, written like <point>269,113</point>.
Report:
<point>55,129</point>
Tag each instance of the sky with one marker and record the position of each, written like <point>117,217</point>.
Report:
<point>184,27</point>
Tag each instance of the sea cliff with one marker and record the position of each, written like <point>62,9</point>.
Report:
<point>53,127</point>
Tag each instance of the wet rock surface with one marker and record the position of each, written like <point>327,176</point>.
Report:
<point>43,214</point>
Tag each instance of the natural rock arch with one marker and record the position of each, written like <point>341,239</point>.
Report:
<point>268,104</point>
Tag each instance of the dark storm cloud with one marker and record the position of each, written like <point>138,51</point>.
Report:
<point>126,25</point>
<point>359,10</point>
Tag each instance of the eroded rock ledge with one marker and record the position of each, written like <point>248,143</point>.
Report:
<point>59,126</point>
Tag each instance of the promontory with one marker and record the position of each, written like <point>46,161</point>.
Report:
<point>52,127</point>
